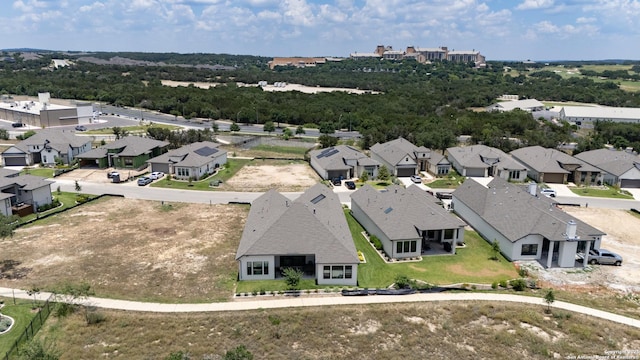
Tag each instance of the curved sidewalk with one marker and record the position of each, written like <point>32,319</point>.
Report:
<point>303,301</point>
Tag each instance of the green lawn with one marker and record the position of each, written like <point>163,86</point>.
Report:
<point>231,167</point>
<point>470,265</point>
<point>605,193</point>
<point>451,181</point>
<point>44,172</point>
<point>293,150</point>
<point>21,313</point>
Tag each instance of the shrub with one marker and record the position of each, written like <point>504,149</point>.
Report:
<point>94,317</point>
<point>503,283</point>
<point>494,285</point>
<point>81,198</point>
<point>523,272</point>
<point>292,278</point>
<point>518,284</point>
<point>376,242</point>
<point>403,282</point>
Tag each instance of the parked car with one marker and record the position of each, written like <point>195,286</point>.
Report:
<point>156,175</point>
<point>350,185</point>
<point>144,181</point>
<point>111,174</point>
<point>416,179</point>
<point>81,128</point>
<point>336,181</point>
<point>603,256</point>
<point>548,192</point>
<point>17,124</point>
<point>444,195</point>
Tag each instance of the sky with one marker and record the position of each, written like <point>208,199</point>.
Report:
<point>499,29</point>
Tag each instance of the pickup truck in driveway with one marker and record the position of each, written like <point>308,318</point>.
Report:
<point>603,257</point>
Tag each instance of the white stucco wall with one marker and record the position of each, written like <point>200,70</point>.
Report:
<point>316,166</point>
<point>350,282</point>
<point>567,253</point>
<point>40,196</point>
<point>242,271</point>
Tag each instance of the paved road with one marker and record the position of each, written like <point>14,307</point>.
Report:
<point>328,300</point>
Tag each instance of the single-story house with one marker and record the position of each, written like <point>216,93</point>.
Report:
<point>23,194</point>
<point>45,147</point>
<point>129,152</point>
<point>554,166</point>
<point>402,158</point>
<point>529,105</point>
<point>526,224</point>
<point>484,161</point>
<point>342,161</point>
<point>619,167</point>
<point>408,221</point>
<point>309,233</point>
<point>194,161</point>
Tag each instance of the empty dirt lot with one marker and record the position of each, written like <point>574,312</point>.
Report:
<point>280,175</point>
<point>130,249</point>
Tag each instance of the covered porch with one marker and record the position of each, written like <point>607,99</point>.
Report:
<point>564,254</point>
<point>439,241</point>
<point>305,263</point>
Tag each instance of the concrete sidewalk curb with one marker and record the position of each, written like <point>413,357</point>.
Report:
<point>328,301</point>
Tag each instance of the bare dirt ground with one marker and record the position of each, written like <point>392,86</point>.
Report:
<point>622,230</point>
<point>99,175</point>
<point>130,249</point>
<point>286,177</point>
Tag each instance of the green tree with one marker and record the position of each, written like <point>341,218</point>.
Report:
<point>34,291</point>
<point>292,278</point>
<point>327,141</point>
<point>327,128</point>
<point>119,132</point>
<point>364,177</point>
<point>549,298</point>
<point>26,135</point>
<point>300,130</point>
<point>8,225</point>
<point>234,127</point>
<point>239,353</point>
<point>383,173</point>
<point>269,127</point>
<point>495,250</point>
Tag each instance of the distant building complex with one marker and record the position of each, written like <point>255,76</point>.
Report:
<point>43,113</point>
<point>424,55</point>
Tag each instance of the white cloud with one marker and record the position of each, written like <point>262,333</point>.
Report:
<point>93,7</point>
<point>535,4</point>
<point>585,20</point>
<point>298,12</point>
<point>28,6</point>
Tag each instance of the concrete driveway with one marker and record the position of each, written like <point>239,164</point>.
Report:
<point>562,190</point>
<point>634,192</point>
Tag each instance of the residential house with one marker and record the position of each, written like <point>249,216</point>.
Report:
<point>526,225</point>
<point>529,105</point>
<point>620,168</point>
<point>193,161</point>
<point>22,194</point>
<point>45,147</point>
<point>129,152</point>
<point>554,166</point>
<point>309,233</point>
<point>408,221</point>
<point>402,158</point>
<point>342,161</point>
<point>484,161</point>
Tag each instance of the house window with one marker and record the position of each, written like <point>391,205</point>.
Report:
<point>257,268</point>
<point>337,272</point>
<point>448,234</point>
<point>529,249</point>
<point>128,162</point>
<point>514,174</point>
<point>406,246</point>
<point>442,170</point>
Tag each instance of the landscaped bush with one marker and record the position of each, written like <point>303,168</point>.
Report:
<point>5,323</point>
<point>518,284</point>
<point>54,204</point>
<point>81,198</point>
<point>376,242</point>
<point>494,285</point>
<point>503,283</point>
<point>403,282</point>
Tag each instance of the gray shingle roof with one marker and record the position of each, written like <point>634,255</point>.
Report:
<point>58,139</point>
<point>130,145</point>
<point>26,182</point>
<point>615,162</point>
<point>191,155</point>
<point>482,156</point>
<point>513,212</point>
<point>402,212</point>
<point>279,226</point>
<point>393,151</point>
<point>549,160</point>
<point>333,158</point>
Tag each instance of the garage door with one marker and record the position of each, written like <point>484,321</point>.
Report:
<point>629,183</point>
<point>14,161</point>
<point>474,172</point>
<point>402,172</point>
<point>553,178</point>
